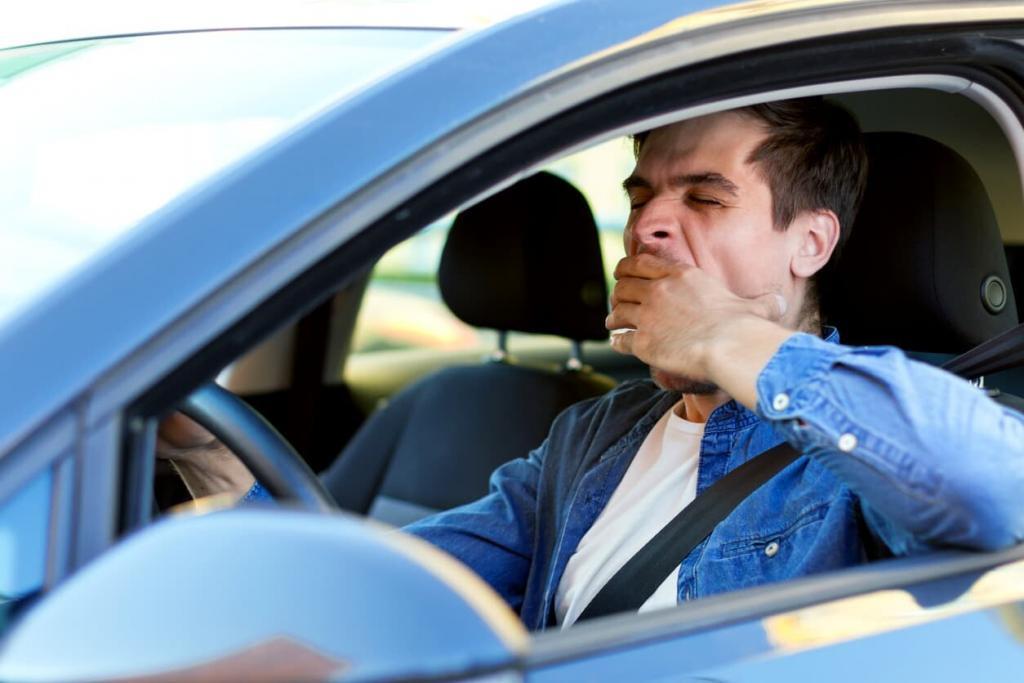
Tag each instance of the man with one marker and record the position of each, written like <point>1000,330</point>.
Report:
<point>732,216</point>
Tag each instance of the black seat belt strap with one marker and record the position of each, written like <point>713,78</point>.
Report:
<point>1001,352</point>
<point>640,577</point>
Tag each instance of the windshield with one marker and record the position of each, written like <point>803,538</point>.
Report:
<point>95,135</point>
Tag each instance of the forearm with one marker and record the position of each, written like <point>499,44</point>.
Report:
<point>934,459</point>
<point>494,535</point>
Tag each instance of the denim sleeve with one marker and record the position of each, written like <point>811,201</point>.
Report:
<point>494,536</point>
<point>934,460</point>
<point>256,494</point>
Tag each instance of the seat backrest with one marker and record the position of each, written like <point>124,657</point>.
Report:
<point>527,260</point>
<point>924,268</point>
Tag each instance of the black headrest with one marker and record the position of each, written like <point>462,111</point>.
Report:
<point>924,268</point>
<point>528,260</point>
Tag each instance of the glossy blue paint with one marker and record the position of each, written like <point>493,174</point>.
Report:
<point>183,253</point>
<point>669,658</point>
<point>979,646</point>
<point>23,521</point>
<point>329,582</point>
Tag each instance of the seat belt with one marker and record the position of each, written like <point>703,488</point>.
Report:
<point>640,577</point>
<point>1001,352</point>
<point>637,580</point>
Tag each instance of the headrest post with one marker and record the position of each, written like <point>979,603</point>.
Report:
<point>500,354</point>
<point>575,361</point>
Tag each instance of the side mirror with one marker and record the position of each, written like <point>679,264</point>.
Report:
<point>251,594</point>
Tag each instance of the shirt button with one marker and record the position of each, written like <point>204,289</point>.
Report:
<point>771,549</point>
<point>780,402</point>
<point>847,442</point>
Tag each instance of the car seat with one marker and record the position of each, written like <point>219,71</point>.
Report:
<point>924,268</point>
<point>527,259</point>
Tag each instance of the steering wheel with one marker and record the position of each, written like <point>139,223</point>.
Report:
<point>271,459</point>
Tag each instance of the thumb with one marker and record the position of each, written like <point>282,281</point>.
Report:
<point>771,306</point>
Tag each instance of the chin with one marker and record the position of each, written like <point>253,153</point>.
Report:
<point>684,385</point>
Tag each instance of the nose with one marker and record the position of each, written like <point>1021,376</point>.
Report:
<point>654,229</point>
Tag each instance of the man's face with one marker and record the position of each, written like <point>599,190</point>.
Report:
<point>695,200</point>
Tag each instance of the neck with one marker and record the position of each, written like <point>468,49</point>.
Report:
<point>697,407</point>
<point>806,312</point>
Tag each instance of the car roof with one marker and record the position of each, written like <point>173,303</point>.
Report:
<point>45,21</point>
<point>118,303</point>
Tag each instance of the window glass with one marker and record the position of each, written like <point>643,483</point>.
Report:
<point>96,135</point>
<point>24,519</point>
<point>403,309</point>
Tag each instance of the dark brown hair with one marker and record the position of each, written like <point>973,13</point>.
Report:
<point>813,158</point>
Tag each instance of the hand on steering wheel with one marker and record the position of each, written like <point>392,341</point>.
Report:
<point>214,426</point>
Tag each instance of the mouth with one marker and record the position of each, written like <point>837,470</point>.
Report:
<point>663,252</point>
<point>642,248</point>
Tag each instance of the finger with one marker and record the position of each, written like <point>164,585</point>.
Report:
<point>622,316</point>
<point>645,266</point>
<point>630,290</point>
<point>180,431</point>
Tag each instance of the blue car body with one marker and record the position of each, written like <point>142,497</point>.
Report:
<point>85,363</point>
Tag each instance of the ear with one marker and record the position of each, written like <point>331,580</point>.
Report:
<point>816,234</point>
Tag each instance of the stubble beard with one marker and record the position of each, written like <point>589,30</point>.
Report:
<point>682,384</point>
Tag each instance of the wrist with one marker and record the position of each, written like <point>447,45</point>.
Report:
<point>740,352</point>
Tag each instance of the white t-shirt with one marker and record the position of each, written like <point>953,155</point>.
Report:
<point>660,482</point>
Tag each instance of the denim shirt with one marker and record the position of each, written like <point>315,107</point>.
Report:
<point>898,457</point>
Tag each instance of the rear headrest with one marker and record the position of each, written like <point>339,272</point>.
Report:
<point>528,260</point>
<point>924,268</point>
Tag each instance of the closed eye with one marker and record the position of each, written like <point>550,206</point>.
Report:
<point>710,201</point>
<point>637,200</point>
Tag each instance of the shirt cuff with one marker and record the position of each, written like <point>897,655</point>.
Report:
<point>256,494</point>
<point>786,387</point>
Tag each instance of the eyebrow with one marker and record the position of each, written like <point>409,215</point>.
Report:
<point>707,178</point>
